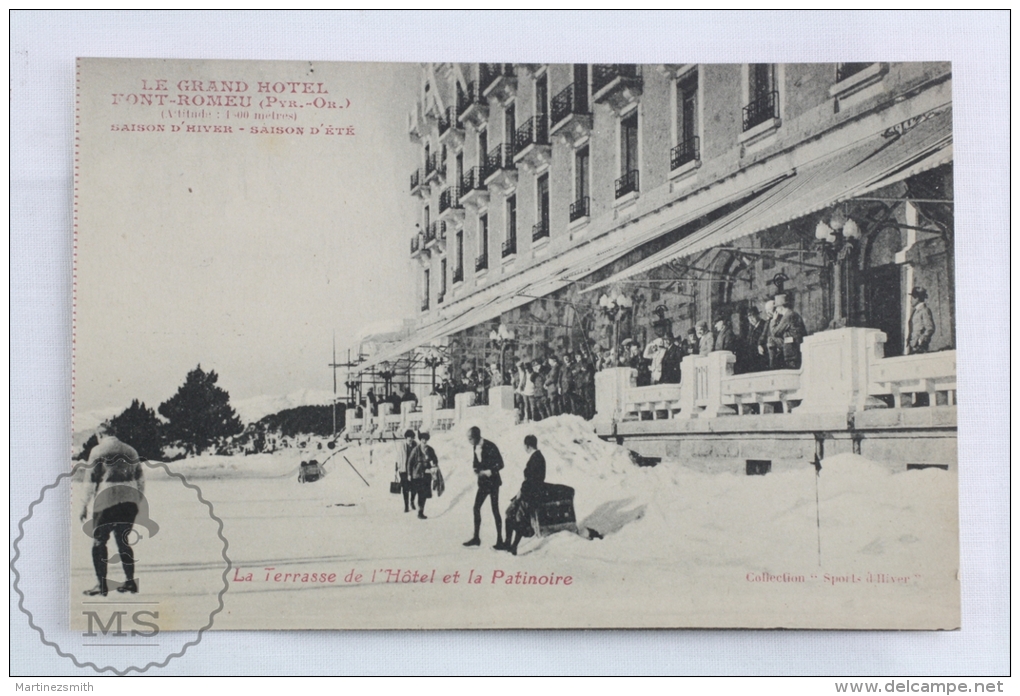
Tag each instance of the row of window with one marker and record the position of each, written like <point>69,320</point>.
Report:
<point>762,106</point>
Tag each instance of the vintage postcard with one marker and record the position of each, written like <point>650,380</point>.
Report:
<point>492,345</point>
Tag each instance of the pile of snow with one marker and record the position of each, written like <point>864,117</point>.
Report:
<point>671,515</point>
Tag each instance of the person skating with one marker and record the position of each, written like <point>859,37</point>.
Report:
<point>422,464</point>
<point>117,487</point>
<point>518,514</point>
<point>487,461</point>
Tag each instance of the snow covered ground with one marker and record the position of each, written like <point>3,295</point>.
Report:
<point>856,546</point>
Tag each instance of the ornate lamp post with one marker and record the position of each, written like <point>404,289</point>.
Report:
<point>615,307</point>
<point>433,360</point>
<point>838,239</point>
<point>503,338</point>
<point>387,374</point>
<point>352,390</point>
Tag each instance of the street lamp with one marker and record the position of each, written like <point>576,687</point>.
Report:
<point>838,239</point>
<point>615,307</point>
<point>433,360</point>
<point>387,374</point>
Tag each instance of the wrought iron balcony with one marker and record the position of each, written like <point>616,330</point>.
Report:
<point>472,107</point>
<point>435,166</point>
<point>481,263</point>
<point>510,247</point>
<point>415,180</point>
<point>415,245</point>
<point>580,208</point>
<point>534,131</point>
<point>430,233</point>
<point>473,191</point>
<point>499,167</point>
<point>458,274</point>
<point>573,100</point>
<point>489,74</point>
<point>531,143</point>
<point>540,230</point>
<point>449,198</point>
<point>628,183</point>
<point>763,108</point>
<point>450,132</point>
<point>618,84</point>
<point>571,113</point>
<point>687,151</point>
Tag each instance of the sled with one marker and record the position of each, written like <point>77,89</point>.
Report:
<point>556,511</point>
<point>310,472</point>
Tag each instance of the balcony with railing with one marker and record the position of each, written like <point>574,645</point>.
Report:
<point>509,247</point>
<point>450,209</point>
<point>481,263</point>
<point>435,168</point>
<point>472,107</point>
<point>570,116</point>
<point>500,169</point>
<point>531,143</point>
<point>684,153</point>
<point>580,209</point>
<point>473,191</point>
<point>498,81</point>
<point>540,230</point>
<point>451,133</point>
<point>762,109</point>
<point>627,184</point>
<point>435,235</point>
<point>616,84</point>
<point>416,177</point>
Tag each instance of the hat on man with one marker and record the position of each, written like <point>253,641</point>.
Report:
<point>920,293</point>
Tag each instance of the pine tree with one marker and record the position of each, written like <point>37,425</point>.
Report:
<point>86,449</point>
<point>139,427</point>
<point>199,413</point>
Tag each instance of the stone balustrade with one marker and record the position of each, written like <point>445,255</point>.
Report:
<point>842,372</point>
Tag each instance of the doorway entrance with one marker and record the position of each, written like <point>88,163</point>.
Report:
<point>883,305</point>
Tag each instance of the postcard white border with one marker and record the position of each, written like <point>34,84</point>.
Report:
<point>42,52</point>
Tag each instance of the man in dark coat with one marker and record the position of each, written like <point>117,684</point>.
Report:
<point>921,326</point>
<point>518,515</point>
<point>671,361</point>
<point>754,361</point>
<point>724,337</point>
<point>487,461</point>
<point>790,330</point>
